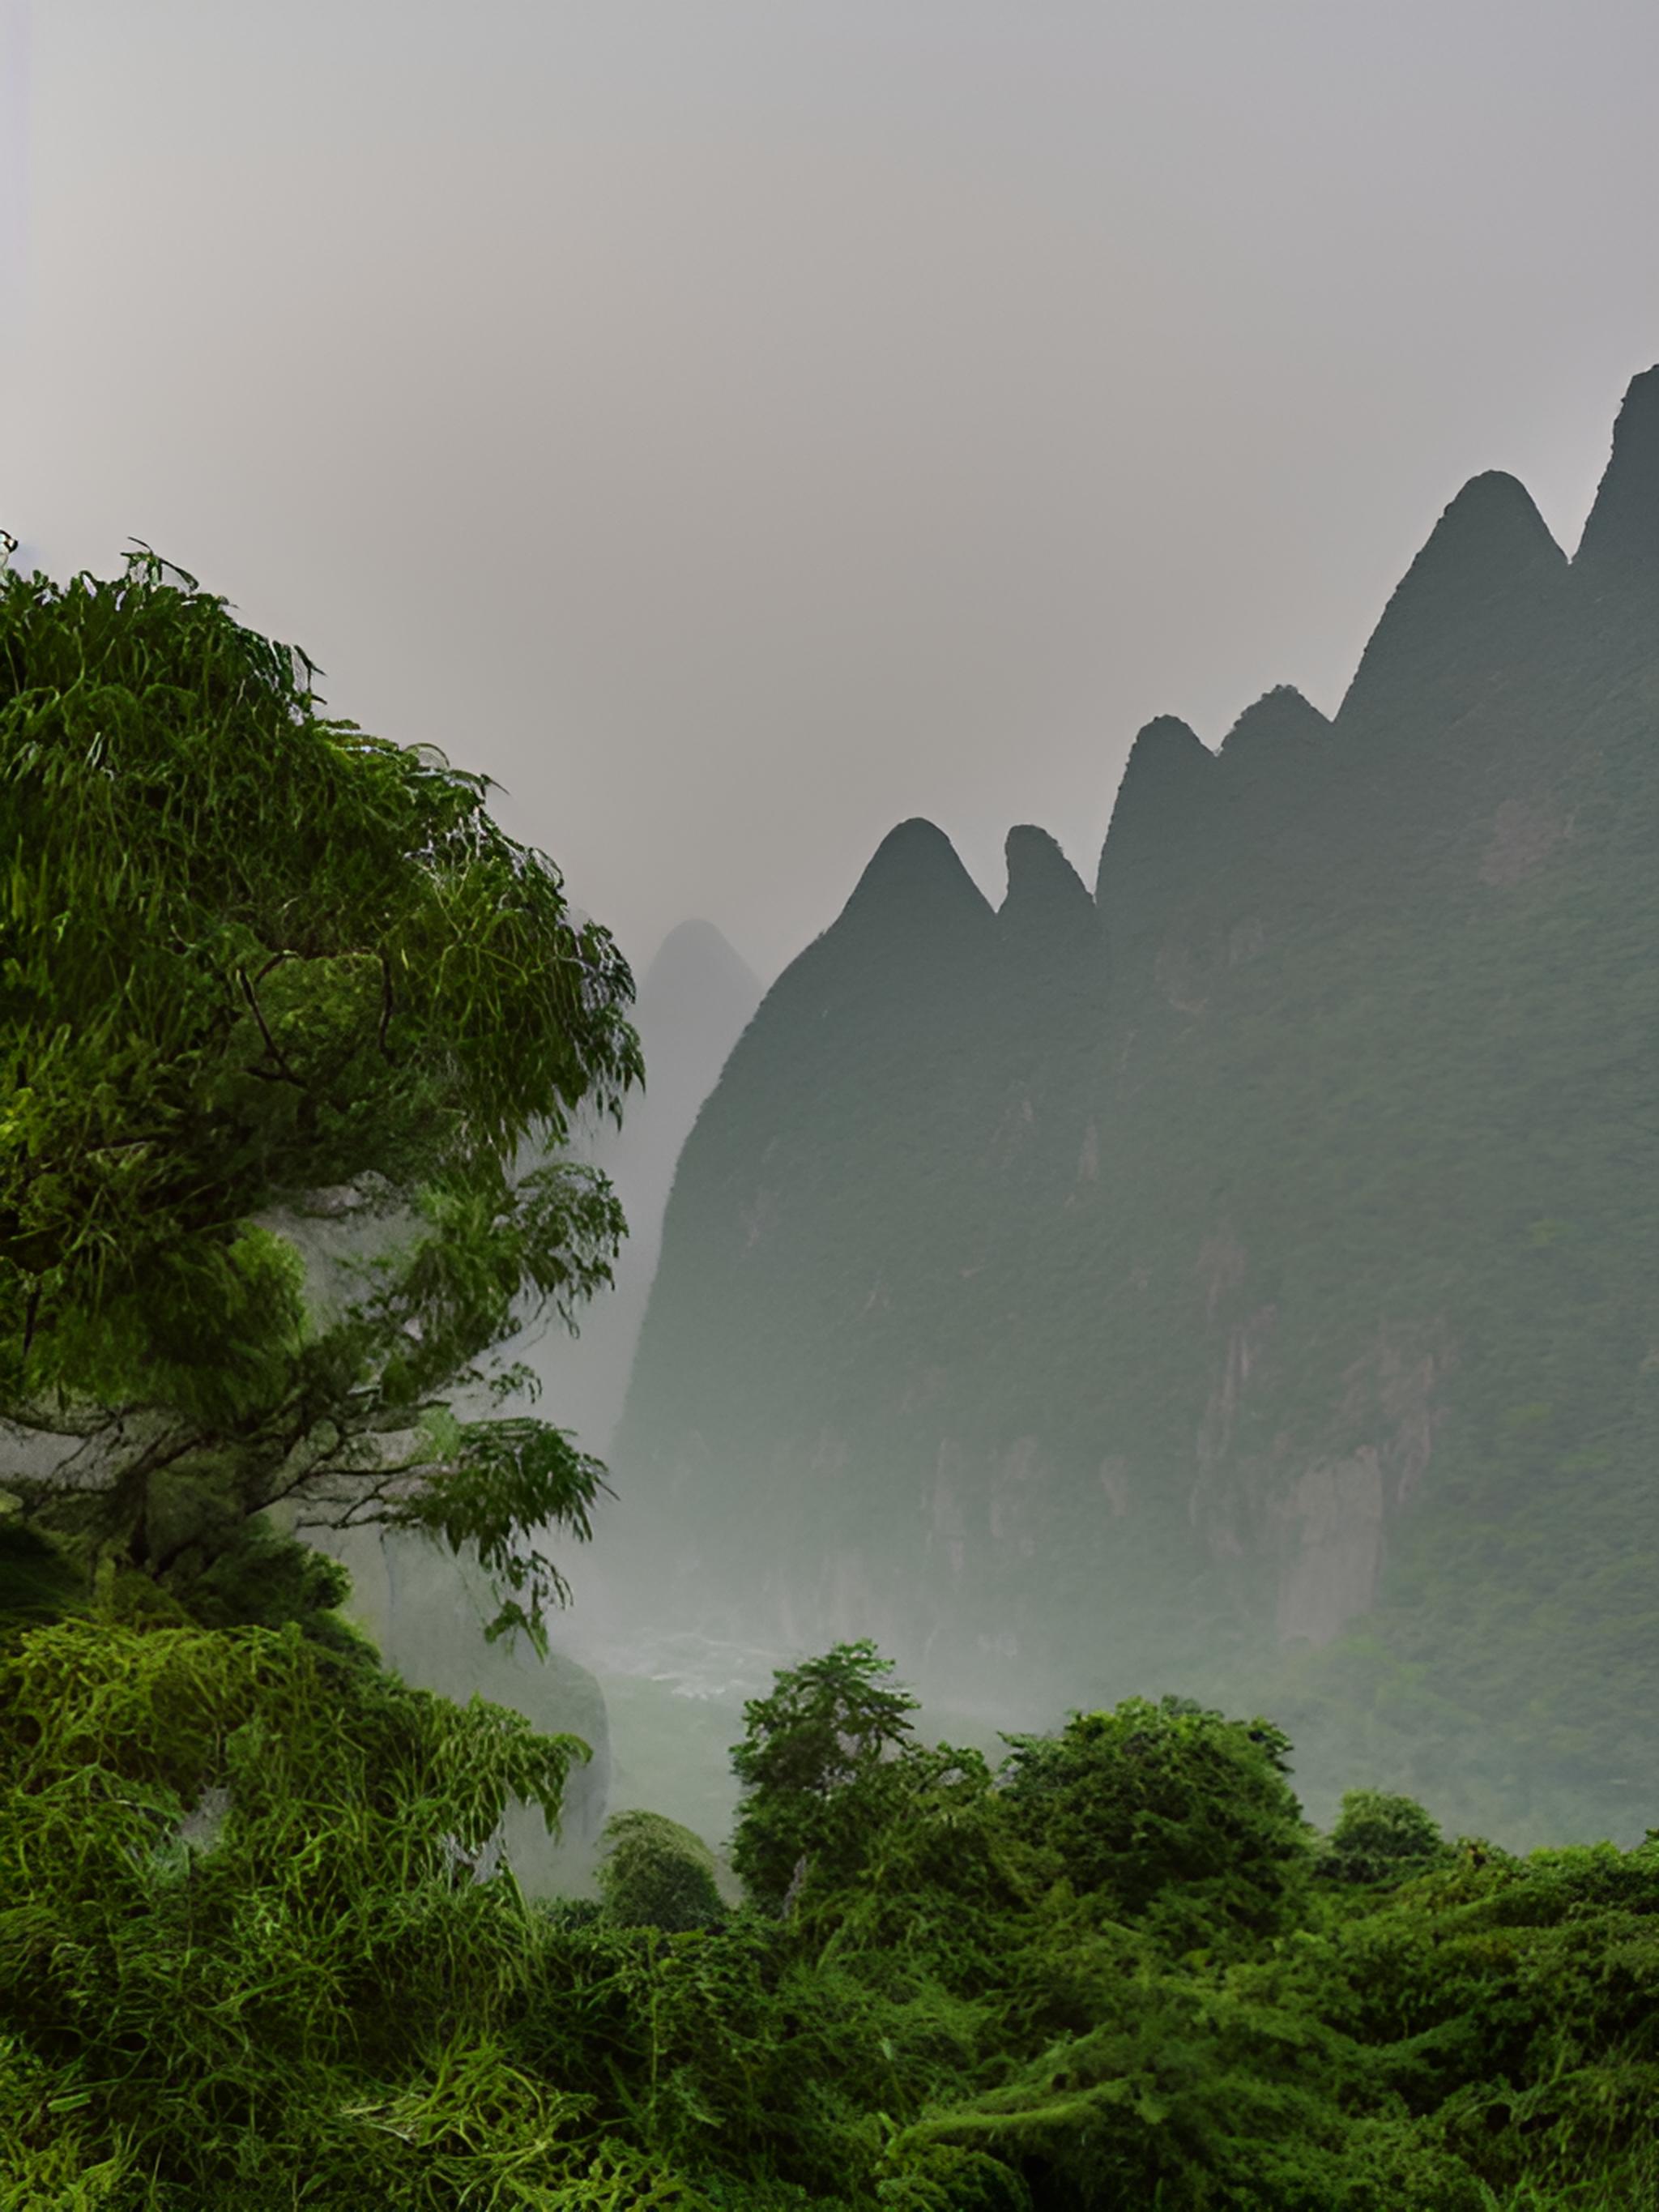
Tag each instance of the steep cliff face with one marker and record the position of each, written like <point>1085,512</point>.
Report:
<point>1241,1282</point>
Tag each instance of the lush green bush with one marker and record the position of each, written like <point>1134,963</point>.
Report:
<point>241,1944</point>
<point>656,1874</point>
<point>253,1954</point>
<point>1178,1817</point>
<point>1380,1838</point>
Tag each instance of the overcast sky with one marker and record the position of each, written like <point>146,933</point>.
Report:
<point>737,425</point>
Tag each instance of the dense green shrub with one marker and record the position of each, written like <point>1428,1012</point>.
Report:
<point>248,1957</point>
<point>1380,1838</point>
<point>656,1874</point>
<point>1178,1816</point>
<point>240,1943</point>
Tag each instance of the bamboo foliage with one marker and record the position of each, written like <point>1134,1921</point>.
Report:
<point>266,980</point>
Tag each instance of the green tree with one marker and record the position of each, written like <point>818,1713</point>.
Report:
<point>1381,1837</point>
<point>292,1037</point>
<point>1172,1812</point>
<point>817,1765</point>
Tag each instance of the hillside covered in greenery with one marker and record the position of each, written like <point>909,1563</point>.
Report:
<point>1238,1279</point>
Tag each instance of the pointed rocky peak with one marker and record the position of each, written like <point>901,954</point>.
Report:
<point>1281,724</point>
<point>1166,750</point>
<point>1622,533</point>
<point>914,882</point>
<point>1166,789</point>
<point>1468,607</point>
<point>1047,908</point>
<point>1041,879</point>
<point>697,986</point>
<point>695,960</point>
<point>896,975</point>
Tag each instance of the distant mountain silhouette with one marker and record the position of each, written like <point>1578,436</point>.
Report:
<point>1241,1284</point>
<point>694,999</point>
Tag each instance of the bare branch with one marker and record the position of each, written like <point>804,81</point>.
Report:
<point>284,1073</point>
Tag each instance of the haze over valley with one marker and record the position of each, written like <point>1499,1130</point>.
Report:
<point>1235,1279</point>
<point>829,1106</point>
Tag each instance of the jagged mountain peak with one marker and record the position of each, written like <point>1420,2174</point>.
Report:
<point>1623,529</point>
<point>916,875</point>
<point>697,994</point>
<point>1165,747</point>
<point>1172,1306</point>
<point>1047,914</point>
<point>1168,779</point>
<point>695,955</point>
<point>1040,877</point>
<point>1278,722</point>
<point>1470,599</point>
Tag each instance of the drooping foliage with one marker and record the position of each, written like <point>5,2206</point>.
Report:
<point>241,1944</point>
<point>282,1013</point>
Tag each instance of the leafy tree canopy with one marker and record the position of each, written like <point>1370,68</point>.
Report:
<point>283,1013</point>
<point>1173,1811</point>
<point>816,1766</point>
<point>1381,1836</point>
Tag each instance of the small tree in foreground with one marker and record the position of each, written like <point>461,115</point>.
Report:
<point>817,1767</point>
<point>283,1011</point>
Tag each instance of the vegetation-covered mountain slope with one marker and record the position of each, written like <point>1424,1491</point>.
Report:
<point>1242,1282</point>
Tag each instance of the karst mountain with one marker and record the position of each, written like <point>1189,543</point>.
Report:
<point>1239,1277</point>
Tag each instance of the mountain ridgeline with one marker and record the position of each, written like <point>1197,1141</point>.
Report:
<point>1240,1280</point>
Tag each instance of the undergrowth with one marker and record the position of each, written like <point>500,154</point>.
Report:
<point>254,1952</point>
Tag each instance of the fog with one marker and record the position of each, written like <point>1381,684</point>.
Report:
<point>737,428</point>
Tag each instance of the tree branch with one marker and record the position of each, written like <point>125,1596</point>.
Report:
<point>285,1073</point>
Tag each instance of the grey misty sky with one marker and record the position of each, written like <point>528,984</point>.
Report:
<point>737,425</point>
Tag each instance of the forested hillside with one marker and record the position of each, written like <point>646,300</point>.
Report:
<point>1240,1282</point>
